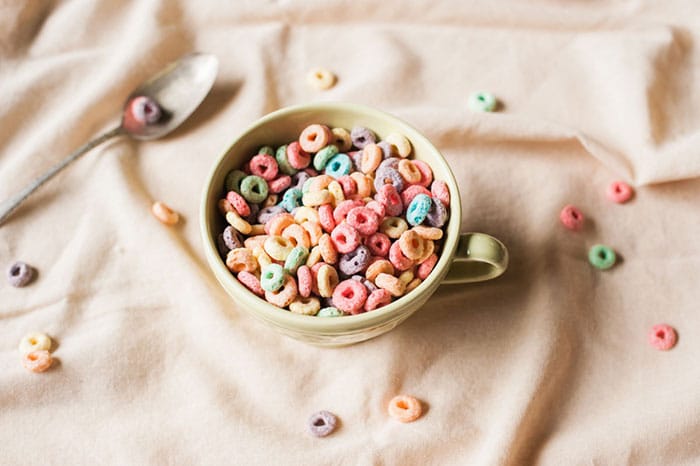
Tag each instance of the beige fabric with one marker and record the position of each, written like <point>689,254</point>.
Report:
<point>547,365</point>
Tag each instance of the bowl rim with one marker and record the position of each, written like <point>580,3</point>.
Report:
<point>345,324</point>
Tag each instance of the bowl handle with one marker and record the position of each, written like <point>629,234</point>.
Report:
<point>479,257</point>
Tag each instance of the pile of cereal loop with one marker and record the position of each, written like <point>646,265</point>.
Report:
<point>334,223</point>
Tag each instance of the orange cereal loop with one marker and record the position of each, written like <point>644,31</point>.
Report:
<point>255,241</point>
<point>364,185</point>
<point>390,283</point>
<point>237,222</point>
<point>409,171</point>
<point>426,232</point>
<point>380,266</point>
<point>327,249</point>
<point>314,230</point>
<point>429,249</point>
<point>37,361</point>
<point>371,158</point>
<point>405,408</point>
<point>165,214</point>
<point>297,235</point>
<point>320,182</point>
<point>412,245</point>
<point>314,256</point>
<point>278,223</point>
<point>241,259</point>
<point>225,206</point>
<point>285,295</point>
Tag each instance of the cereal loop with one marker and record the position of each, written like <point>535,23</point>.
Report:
<point>237,222</point>
<point>571,218</point>
<point>425,172</point>
<point>304,281</point>
<point>619,192</point>
<point>377,299</point>
<point>285,295</point>
<point>328,251</point>
<point>393,227</point>
<point>251,282</point>
<point>37,361</point>
<point>305,306</point>
<point>602,257</point>
<point>297,157</point>
<point>322,423</point>
<point>663,337</point>
<point>409,172</point>
<point>20,274</point>
<point>411,192</point>
<point>426,267</point>
<point>380,266</point>
<point>425,232</point>
<point>371,158</point>
<point>405,408</point>
<point>402,144</point>
<point>254,189</point>
<point>364,220</point>
<point>321,78</point>
<point>345,238</point>
<point>241,259</point>
<point>411,245</point>
<point>326,217</point>
<point>276,225</point>
<point>297,235</point>
<point>398,259</point>
<point>317,198</point>
<point>279,184</point>
<point>314,231</point>
<point>35,341</point>
<point>265,166</point>
<point>349,296</point>
<point>164,214</point>
<point>439,190</point>
<point>314,137</point>
<point>326,280</point>
<point>378,244</point>
<point>278,247</point>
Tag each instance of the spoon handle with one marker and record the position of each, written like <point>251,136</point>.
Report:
<point>8,206</point>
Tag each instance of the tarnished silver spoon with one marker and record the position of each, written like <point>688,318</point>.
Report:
<point>170,97</point>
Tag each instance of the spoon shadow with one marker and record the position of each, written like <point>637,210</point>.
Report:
<point>217,99</point>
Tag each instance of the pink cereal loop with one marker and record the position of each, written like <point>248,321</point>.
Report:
<point>305,281</point>
<point>285,295</point>
<point>37,361</point>
<point>264,166</point>
<point>441,192</point>
<point>251,282</point>
<point>238,203</point>
<point>426,266</point>
<point>572,218</point>
<point>425,171</point>
<point>412,191</point>
<point>326,218</point>
<point>378,244</point>
<point>389,197</point>
<point>278,185</point>
<point>619,192</point>
<point>314,138</point>
<point>341,211</point>
<point>350,296</point>
<point>364,220</point>
<point>398,259</point>
<point>345,238</point>
<point>377,207</point>
<point>663,337</point>
<point>297,157</point>
<point>348,184</point>
<point>377,299</point>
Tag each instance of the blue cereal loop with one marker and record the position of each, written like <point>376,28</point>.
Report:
<point>291,199</point>
<point>283,162</point>
<point>272,277</point>
<point>418,209</point>
<point>339,165</point>
<point>323,156</point>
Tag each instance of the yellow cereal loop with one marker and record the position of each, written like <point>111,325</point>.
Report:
<point>426,232</point>
<point>317,198</point>
<point>297,235</point>
<point>270,200</point>
<point>305,214</point>
<point>406,277</point>
<point>380,266</point>
<point>257,229</point>
<point>262,257</point>
<point>342,139</point>
<point>402,144</point>
<point>35,341</point>
<point>327,279</point>
<point>337,192</point>
<point>314,256</point>
<point>305,306</point>
<point>321,78</point>
<point>393,227</point>
<point>237,222</point>
<point>413,284</point>
<point>278,247</point>
<point>390,283</point>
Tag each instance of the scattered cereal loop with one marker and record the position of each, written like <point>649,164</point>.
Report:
<point>322,423</point>
<point>619,192</point>
<point>405,408</point>
<point>20,274</point>
<point>321,78</point>
<point>164,214</point>
<point>663,337</point>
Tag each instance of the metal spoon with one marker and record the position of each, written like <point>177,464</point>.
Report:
<point>178,89</point>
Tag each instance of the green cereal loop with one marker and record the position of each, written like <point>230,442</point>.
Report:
<point>233,180</point>
<point>296,259</point>
<point>601,257</point>
<point>254,189</point>
<point>272,277</point>
<point>283,162</point>
<point>323,156</point>
<point>329,312</point>
<point>482,102</point>
<point>307,185</point>
<point>267,150</point>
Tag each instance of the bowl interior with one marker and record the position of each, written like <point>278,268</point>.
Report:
<point>281,127</point>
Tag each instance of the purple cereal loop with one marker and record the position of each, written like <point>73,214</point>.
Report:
<point>20,274</point>
<point>387,149</point>
<point>268,212</point>
<point>369,285</point>
<point>356,158</point>
<point>232,239</point>
<point>437,215</point>
<point>390,174</point>
<point>355,262</point>
<point>322,423</point>
<point>391,162</point>
<point>362,136</point>
<point>254,211</point>
<point>221,245</point>
<point>298,180</point>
